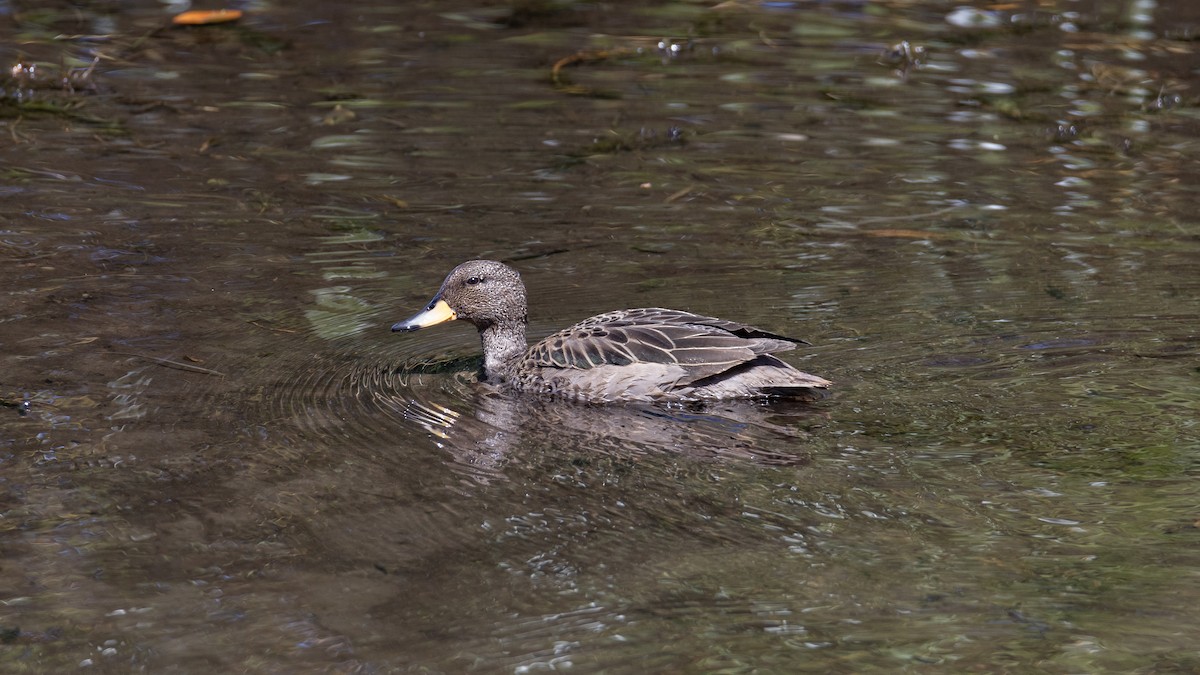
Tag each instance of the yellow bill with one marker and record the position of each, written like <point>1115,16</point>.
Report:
<point>437,312</point>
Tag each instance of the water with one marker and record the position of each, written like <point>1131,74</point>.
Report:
<point>216,457</point>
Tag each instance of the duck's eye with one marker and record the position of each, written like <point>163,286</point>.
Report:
<point>474,281</point>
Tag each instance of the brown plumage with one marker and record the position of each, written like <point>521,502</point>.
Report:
<point>648,354</point>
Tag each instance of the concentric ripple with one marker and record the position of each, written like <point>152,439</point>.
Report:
<point>423,391</point>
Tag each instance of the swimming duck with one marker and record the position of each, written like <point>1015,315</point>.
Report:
<point>648,354</point>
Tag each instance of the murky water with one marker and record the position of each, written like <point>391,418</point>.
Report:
<point>215,456</point>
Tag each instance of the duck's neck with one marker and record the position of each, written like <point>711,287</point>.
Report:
<point>503,348</point>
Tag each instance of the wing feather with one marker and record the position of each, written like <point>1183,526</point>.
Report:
<point>703,345</point>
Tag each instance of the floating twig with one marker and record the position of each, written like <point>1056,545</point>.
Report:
<point>277,330</point>
<point>174,364</point>
<point>562,84</point>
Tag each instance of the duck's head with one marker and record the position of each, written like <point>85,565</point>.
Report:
<point>484,292</point>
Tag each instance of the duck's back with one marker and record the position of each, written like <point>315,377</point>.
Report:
<point>663,354</point>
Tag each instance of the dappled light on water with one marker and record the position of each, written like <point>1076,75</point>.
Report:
<point>217,457</point>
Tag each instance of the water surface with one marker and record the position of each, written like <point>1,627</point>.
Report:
<point>216,457</point>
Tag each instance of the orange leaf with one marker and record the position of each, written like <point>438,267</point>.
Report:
<point>201,17</point>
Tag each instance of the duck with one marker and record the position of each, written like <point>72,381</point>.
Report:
<point>649,355</point>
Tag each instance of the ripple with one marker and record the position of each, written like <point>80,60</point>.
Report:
<point>421,392</point>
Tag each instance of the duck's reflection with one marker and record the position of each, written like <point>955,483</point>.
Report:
<point>494,428</point>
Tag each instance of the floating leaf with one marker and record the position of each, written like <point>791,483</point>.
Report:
<point>204,17</point>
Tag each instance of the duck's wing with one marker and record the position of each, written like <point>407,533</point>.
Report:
<point>703,346</point>
<point>659,315</point>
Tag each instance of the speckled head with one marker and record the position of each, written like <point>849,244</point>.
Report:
<point>485,292</point>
